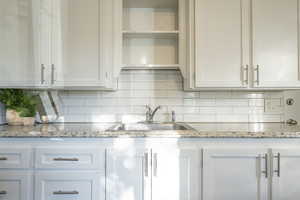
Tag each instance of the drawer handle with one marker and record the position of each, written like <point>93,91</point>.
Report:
<point>3,158</point>
<point>65,193</point>
<point>3,192</point>
<point>66,159</point>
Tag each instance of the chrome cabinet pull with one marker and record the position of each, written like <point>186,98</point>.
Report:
<point>66,192</point>
<point>3,158</point>
<point>155,163</point>
<point>3,192</point>
<point>278,164</point>
<point>266,166</point>
<point>257,74</point>
<point>52,73</point>
<point>146,164</point>
<point>65,159</point>
<point>42,74</point>
<point>245,74</point>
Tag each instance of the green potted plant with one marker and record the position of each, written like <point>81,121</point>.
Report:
<point>20,106</point>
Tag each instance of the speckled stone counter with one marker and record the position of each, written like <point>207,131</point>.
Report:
<point>200,130</point>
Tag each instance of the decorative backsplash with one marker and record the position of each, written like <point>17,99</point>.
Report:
<point>164,87</point>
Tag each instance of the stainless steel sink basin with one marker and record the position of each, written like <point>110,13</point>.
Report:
<point>149,127</point>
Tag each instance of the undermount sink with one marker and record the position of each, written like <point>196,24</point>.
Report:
<point>149,127</point>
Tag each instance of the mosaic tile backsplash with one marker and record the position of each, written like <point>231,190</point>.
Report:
<point>138,88</point>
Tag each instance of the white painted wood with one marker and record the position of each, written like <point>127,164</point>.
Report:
<point>69,158</point>
<point>15,158</point>
<point>16,185</point>
<point>276,43</point>
<point>17,62</point>
<point>176,174</point>
<point>87,185</point>
<point>220,43</point>
<point>234,173</point>
<point>126,176</point>
<point>76,43</point>
<point>286,185</point>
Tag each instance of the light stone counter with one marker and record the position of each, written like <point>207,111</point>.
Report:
<point>201,130</point>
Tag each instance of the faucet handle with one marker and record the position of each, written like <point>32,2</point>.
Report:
<point>173,116</point>
<point>149,109</point>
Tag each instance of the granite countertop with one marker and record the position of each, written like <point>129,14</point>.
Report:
<point>200,130</point>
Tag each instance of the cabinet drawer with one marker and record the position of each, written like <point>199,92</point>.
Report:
<point>13,158</point>
<point>69,158</point>
<point>75,186</point>
<point>15,185</point>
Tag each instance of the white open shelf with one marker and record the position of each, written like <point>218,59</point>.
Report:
<point>150,34</point>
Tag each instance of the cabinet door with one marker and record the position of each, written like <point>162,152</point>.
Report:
<point>82,43</point>
<point>15,185</point>
<point>17,63</point>
<point>275,43</point>
<point>221,43</point>
<point>128,174</point>
<point>285,185</point>
<point>176,174</point>
<point>65,186</point>
<point>235,174</point>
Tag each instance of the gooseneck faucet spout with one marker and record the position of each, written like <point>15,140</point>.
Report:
<point>151,113</point>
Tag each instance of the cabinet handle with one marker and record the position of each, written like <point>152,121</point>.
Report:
<point>155,163</point>
<point>246,74</point>
<point>65,159</point>
<point>3,158</point>
<point>257,74</point>
<point>3,192</point>
<point>146,164</point>
<point>278,164</point>
<point>266,166</point>
<point>52,73</point>
<point>66,192</point>
<point>42,74</point>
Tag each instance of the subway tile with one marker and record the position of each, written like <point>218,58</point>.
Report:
<point>199,118</point>
<point>232,118</point>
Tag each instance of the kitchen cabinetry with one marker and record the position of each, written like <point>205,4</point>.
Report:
<point>235,174</point>
<point>238,45</point>
<point>150,174</point>
<point>276,43</point>
<point>285,173</point>
<point>76,43</point>
<point>17,59</point>
<point>62,185</point>
<point>16,185</point>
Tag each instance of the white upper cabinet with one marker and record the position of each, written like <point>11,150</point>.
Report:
<point>76,44</point>
<point>82,44</point>
<point>221,50</point>
<point>232,48</point>
<point>237,173</point>
<point>276,43</point>
<point>17,61</point>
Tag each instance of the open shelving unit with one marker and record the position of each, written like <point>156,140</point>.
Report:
<point>150,34</point>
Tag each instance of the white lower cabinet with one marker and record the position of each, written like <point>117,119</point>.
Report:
<point>240,173</point>
<point>169,174</point>
<point>69,185</point>
<point>285,174</point>
<point>15,185</point>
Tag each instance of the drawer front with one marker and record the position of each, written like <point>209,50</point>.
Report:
<point>15,186</point>
<point>66,186</point>
<point>15,158</point>
<point>69,158</point>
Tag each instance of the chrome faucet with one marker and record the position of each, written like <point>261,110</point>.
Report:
<point>150,113</point>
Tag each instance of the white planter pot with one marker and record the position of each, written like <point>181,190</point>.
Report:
<point>13,118</point>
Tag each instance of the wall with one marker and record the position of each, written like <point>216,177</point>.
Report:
<point>164,87</point>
